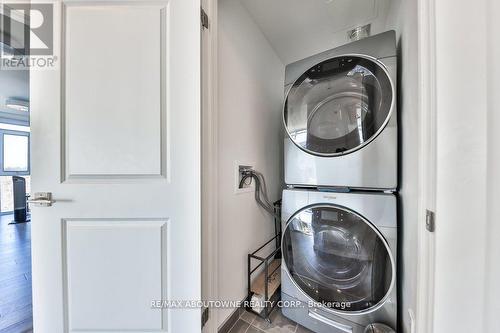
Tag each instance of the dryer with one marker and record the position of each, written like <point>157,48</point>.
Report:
<point>339,259</point>
<point>340,116</point>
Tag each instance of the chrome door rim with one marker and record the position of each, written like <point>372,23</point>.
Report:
<point>379,234</point>
<point>374,136</point>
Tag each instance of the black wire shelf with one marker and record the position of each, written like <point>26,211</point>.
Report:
<point>264,272</point>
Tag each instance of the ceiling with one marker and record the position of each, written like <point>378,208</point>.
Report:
<point>297,29</point>
<point>14,84</point>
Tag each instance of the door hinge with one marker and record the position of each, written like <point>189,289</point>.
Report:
<point>204,19</point>
<point>430,220</point>
<point>205,315</point>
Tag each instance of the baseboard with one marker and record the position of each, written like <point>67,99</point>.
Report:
<point>230,321</point>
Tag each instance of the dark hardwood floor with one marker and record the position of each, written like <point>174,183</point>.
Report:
<point>15,277</point>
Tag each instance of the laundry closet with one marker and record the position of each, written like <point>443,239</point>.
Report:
<point>271,57</point>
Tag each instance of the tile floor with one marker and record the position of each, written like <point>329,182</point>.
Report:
<point>250,323</point>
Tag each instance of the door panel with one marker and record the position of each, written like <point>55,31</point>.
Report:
<point>99,264</point>
<point>114,77</point>
<point>116,139</point>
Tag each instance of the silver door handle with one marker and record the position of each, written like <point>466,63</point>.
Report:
<point>42,199</point>
<point>328,321</point>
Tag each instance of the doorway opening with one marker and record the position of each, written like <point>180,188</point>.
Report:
<point>15,189</point>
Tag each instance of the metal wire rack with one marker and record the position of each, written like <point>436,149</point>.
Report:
<point>264,272</point>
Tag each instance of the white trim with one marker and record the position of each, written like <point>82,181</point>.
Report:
<point>427,165</point>
<point>209,146</point>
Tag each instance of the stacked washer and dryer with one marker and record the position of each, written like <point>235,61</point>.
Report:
<point>339,206</point>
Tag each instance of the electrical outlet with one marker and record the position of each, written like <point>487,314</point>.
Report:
<point>239,167</point>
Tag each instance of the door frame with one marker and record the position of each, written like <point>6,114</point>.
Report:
<point>209,163</point>
<point>424,320</point>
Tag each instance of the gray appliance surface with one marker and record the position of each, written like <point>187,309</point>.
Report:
<point>373,165</point>
<point>377,46</point>
<point>316,320</point>
<point>377,208</point>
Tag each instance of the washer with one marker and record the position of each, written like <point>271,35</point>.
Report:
<point>339,259</point>
<point>340,116</point>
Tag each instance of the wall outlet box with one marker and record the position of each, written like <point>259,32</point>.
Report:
<point>248,187</point>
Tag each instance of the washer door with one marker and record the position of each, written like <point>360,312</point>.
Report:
<point>338,106</point>
<point>338,258</point>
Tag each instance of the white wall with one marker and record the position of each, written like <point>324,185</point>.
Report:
<point>461,166</point>
<point>250,99</point>
<point>402,17</point>
<point>492,287</point>
<point>467,200</point>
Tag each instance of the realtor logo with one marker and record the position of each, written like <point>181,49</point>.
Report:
<point>28,28</point>
<point>27,35</point>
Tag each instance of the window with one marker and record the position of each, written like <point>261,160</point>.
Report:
<point>14,161</point>
<point>14,152</point>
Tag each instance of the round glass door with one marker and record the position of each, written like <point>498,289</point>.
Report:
<point>337,258</point>
<point>338,106</point>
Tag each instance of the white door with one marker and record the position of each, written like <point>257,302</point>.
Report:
<point>116,139</point>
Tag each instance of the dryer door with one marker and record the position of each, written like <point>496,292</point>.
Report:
<point>339,105</point>
<point>338,259</point>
